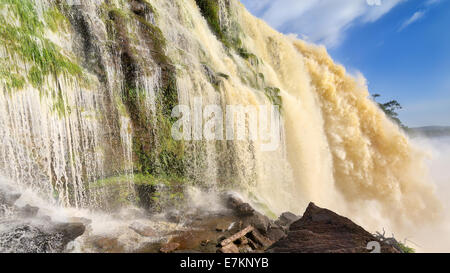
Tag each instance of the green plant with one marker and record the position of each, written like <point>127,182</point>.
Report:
<point>55,20</point>
<point>151,192</point>
<point>27,42</point>
<point>156,153</point>
<point>210,11</point>
<point>406,249</point>
<point>223,75</point>
<point>273,94</point>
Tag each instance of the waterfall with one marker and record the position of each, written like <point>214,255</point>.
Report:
<point>103,111</point>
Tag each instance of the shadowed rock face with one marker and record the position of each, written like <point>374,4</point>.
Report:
<point>323,231</point>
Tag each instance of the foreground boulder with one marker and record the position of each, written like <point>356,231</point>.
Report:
<point>247,214</point>
<point>323,231</point>
<point>28,237</point>
<point>286,219</point>
<point>106,244</point>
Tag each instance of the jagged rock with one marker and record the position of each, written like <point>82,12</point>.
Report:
<point>211,75</point>
<point>138,7</point>
<point>286,219</point>
<point>19,237</point>
<point>258,221</point>
<point>260,239</point>
<point>28,211</point>
<point>69,231</point>
<point>142,230</point>
<point>169,247</point>
<point>276,233</point>
<point>239,207</point>
<point>323,231</point>
<point>248,215</point>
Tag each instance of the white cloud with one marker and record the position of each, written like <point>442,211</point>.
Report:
<point>415,17</point>
<point>431,2</point>
<point>323,21</point>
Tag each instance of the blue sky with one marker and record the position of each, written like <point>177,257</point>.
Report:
<point>402,47</point>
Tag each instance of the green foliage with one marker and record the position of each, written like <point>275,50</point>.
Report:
<point>27,41</point>
<point>12,79</point>
<point>60,106</point>
<point>133,94</point>
<point>55,20</point>
<point>116,192</point>
<point>148,191</point>
<point>273,94</point>
<point>245,54</point>
<point>157,154</point>
<point>137,179</point>
<point>163,192</point>
<point>158,158</point>
<point>210,11</point>
<point>223,75</point>
<point>390,108</point>
<point>406,249</point>
<point>115,180</point>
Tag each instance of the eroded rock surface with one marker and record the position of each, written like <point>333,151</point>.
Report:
<point>323,231</point>
<point>24,231</point>
<point>31,237</point>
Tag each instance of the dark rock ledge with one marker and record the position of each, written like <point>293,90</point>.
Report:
<point>323,231</point>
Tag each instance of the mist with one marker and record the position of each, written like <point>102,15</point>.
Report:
<point>434,237</point>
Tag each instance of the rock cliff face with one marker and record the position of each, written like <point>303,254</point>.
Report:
<point>323,231</point>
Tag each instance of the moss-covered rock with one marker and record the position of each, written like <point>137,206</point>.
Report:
<point>273,94</point>
<point>28,42</point>
<point>210,11</point>
<point>155,151</point>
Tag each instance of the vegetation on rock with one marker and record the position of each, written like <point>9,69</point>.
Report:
<point>273,94</point>
<point>158,157</point>
<point>22,35</point>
